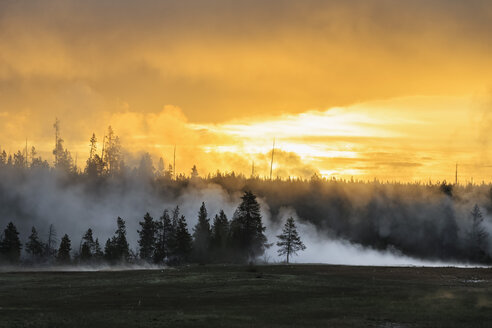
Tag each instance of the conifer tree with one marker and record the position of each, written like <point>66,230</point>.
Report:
<point>10,245</point>
<point>88,246</point>
<point>34,246</point>
<point>117,249</point>
<point>147,239</point>
<point>63,255</point>
<point>220,236</point>
<point>289,241</point>
<point>183,240</point>
<point>247,230</point>
<point>201,235</point>
<point>165,236</point>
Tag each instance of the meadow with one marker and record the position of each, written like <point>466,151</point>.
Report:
<point>250,296</point>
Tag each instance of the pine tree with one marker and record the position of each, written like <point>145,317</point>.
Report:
<point>247,230</point>
<point>117,249</point>
<point>220,236</point>
<point>201,235</point>
<point>165,236</point>
<point>63,255</point>
<point>10,245</point>
<point>183,240</point>
<point>34,246</point>
<point>289,241</point>
<point>147,238</point>
<point>88,246</point>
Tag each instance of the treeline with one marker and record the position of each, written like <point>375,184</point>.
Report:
<point>165,240</point>
<point>433,220</point>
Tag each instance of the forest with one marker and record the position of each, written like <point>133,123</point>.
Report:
<point>65,213</point>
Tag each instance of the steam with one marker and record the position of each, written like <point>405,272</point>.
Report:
<point>340,223</point>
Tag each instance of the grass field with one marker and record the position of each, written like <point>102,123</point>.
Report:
<point>262,296</point>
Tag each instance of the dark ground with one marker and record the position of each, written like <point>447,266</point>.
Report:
<point>263,296</point>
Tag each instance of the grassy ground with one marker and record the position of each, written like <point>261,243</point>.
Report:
<point>265,296</point>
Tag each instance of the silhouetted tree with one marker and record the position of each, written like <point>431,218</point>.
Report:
<point>220,236</point>
<point>183,240</point>
<point>10,245</point>
<point>34,246</point>
<point>289,241</point>
<point>147,237</point>
<point>201,235</point>
<point>63,255</point>
<point>88,246</point>
<point>247,230</point>
<point>117,248</point>
<point>95,164</point>
<point>165,238</point>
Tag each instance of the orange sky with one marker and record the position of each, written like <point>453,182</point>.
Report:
<point>389,89</point>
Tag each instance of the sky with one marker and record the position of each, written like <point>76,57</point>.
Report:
<point>393,90</point>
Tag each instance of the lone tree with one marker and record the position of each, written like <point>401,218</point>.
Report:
<point>63,255</point>
<point>10,245</point>
<point>201,235</point>
<point>289,241</point>
<point>34,246</point>
<point>247,230</point>
<point>147,238</point>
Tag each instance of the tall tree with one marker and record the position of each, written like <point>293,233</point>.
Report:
<point>10,245</point>
<point>34,246</point>
<point>165,237</point>
<point>88,246</point>
<point>63,255</point>
<point>289,241</point>
<point>147,238</point>
<point>201,235</point>
<point>117,249</point>
<point>183,240</point>
<point>247,230</point>
<point>220,236</point>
